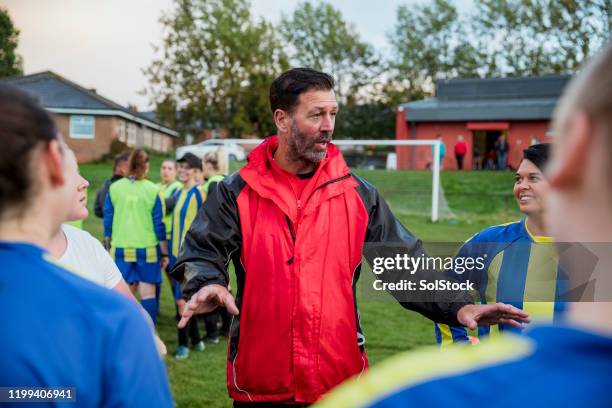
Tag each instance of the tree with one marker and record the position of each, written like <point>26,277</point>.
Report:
<point>320,38</point>
<point>365,121</point>
<point>537,37</point>
<point>429,42</point>
<point>10,63</point>
<point>215,68</point>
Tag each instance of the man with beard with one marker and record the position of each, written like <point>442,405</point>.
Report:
<point>294,222</point>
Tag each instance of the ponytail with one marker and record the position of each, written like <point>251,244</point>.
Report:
<point>138,164</point>
<point>218,160</point>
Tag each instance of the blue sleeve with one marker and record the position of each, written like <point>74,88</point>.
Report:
<point>199,198</point>
<point>135,375</point>
<point>158,219</point>
<point>109,212</point>
<point>446,334</point>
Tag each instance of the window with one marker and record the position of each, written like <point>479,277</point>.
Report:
<point>82,127</point>
<point>148,137</point>
<point>131,135</point>
<point>157,142</point>
<point>122,136</point>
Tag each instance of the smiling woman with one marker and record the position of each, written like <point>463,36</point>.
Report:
<point>520,265</point>
<point>531,186</point>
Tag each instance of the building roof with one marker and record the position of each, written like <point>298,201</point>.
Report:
<point>521,98</point>
<point>59,95</point>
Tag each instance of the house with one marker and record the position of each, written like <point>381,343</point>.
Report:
<point>88,121</point>
<point>480,110</point>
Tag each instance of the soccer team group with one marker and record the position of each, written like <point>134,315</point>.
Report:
<point>294,221</point>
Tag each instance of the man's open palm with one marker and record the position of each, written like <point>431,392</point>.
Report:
<point>206,300</point>
<point>473,316</point>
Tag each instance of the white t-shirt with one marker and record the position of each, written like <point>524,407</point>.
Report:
<point>86,257</point>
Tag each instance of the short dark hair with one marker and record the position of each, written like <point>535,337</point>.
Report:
<point>538,154</point>
<point>24,125</point>
<point>121,158</point>
<point>286,89</point>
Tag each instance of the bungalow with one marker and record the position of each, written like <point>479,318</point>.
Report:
<point>88,121</point>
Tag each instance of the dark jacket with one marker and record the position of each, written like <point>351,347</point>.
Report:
<point>101,195</point>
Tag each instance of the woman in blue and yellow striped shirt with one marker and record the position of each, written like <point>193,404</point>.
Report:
<point>520,262</point>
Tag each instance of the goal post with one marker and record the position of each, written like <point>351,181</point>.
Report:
<point>435,167</point>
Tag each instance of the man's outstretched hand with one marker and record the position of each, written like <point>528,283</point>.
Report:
<point>206,300</point>
<point>473,316</point>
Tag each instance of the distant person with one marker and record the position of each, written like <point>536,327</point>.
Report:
<point>188,202</point>
<point>501,152</point>
<point>120,169</point>
<point>520,264</point>
<point>460,151</point>
<point>133,224</point>
<point>58,329</point>
<point>442,152</point>
<point>214,168</point>
<point>477,159</point>
<point>170,187</point>
<point>491,160</point>
<point>564,365</point>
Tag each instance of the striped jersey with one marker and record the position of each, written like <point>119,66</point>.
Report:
<point>519,269</point>
<point>186,208</point>
<point>167,191</point>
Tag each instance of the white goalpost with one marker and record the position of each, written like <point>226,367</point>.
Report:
<point>435,168</point>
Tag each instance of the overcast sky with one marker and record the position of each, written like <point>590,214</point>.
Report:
<point>106,44</point>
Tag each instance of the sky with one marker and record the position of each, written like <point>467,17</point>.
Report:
<point>106,44</point>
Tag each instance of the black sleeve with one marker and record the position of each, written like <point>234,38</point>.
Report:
<point>100,197</point>
<point>212,239</point>
<point>169,203</point>
<point>212,187</point>
<point>385,229</point>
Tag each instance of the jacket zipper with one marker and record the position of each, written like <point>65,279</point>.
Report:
<point>299,209</point>
<point>332,181</point>
<point>290,260</point>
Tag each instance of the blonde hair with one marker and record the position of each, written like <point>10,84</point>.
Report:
<point>218,161</point>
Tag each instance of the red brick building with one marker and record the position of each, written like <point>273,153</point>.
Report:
<point>89,122</point>
<point>481,110</point>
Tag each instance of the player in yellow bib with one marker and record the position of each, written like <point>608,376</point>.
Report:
<point>169,187</point>
<point>133,222</point>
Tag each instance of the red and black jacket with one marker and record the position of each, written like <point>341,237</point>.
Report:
<point>297,263</point>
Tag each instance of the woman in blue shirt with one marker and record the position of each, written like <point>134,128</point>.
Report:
<point>65,332</point>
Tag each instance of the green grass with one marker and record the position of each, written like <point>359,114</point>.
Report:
<point>478,199</point>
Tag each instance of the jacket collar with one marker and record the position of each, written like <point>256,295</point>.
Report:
<point>331,178</point>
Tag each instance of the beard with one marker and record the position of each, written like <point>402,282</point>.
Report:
<point>302,147</point>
